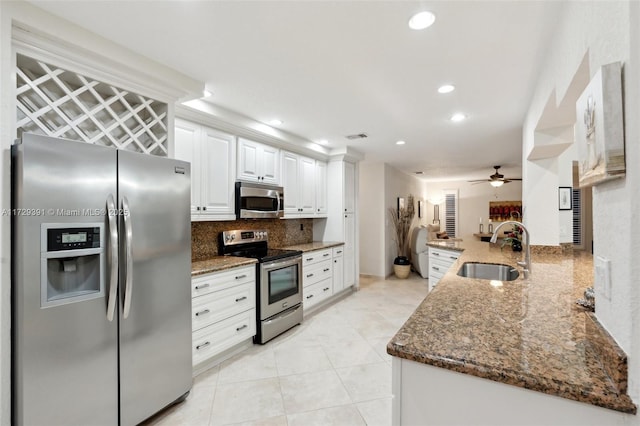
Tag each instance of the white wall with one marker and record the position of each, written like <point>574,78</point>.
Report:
<point>372,217</point>
<point>607,32</point>
<point>473,203</point>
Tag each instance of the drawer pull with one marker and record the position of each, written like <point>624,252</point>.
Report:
<point>325,289</point>
<point>326,254</point>
<point>436,254</point>
<point>310,296</point>
<point>326,269</point>
<point>240,299</point>
<point>309,275</point>
<point>309,259</point>
<point>435,268</point>
<point>204,345</point>
<point>200,287</point>
<point>453,257</point>
<point>239,277</point>
<point>206,311</point>
<point>242,327</point>
<point>339,251</point>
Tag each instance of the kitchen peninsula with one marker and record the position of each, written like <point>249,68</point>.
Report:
<point>523,335</point>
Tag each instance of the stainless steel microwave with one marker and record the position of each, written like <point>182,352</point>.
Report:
<point>259,201</point>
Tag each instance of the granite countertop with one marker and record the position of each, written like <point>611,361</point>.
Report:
<point>528,332</point>
<point>315,245</point>
<point>457,245</point>
<point>219,263</point>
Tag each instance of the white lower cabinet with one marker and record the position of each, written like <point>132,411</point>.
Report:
<point>223,309</point>
<point>322,275</point>
<point>440,261</point>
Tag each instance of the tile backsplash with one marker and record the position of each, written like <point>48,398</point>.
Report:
<point>282,232</point>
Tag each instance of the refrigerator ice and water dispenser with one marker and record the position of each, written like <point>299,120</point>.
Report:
<point>72,263</point>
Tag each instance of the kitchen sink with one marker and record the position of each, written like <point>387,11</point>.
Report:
<point>488,271</point>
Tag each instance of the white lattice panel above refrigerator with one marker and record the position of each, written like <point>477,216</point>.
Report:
<point>61,103</point>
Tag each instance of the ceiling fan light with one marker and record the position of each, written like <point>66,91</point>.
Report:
<point>496,183</point>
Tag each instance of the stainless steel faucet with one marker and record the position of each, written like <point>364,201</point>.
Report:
<point>527,254</point>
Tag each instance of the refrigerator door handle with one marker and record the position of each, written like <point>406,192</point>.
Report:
<point>126,213</point>
<point>113,257</point>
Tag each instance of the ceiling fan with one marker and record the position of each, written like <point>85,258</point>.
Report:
<point>497,179</point>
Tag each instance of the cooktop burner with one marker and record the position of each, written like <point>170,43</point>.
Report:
<point>252,244</point>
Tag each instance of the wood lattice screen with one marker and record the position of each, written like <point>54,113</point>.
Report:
<point>61,103</point>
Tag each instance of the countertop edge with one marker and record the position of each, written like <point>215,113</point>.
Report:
<point>313,246</point>
<point>219,263</point>
<point>617,401</point>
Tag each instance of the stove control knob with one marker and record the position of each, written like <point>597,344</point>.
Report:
<point>233,237</point>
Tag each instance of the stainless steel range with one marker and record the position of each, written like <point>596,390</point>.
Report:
<point>278,280</point>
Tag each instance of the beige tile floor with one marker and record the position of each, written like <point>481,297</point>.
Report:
<point>331,370</point>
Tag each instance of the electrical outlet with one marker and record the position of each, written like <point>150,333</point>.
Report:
<point>603,276</point>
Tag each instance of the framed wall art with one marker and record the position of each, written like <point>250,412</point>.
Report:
<point>564,198</point>
<point>599,130</point>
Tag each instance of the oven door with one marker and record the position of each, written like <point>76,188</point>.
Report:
<point>280,285</point>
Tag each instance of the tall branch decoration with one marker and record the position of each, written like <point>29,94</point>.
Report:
<point>402,217</point>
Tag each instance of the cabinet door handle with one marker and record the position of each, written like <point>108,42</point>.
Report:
<point>204,345</point>
<point>436,254</point>
<point>435,269</point>
<point>339,251</point>
<point>242,327</point>
<point>200,287</point>
<point>239,277</point>
<point>204,208</point>
<point>206,311</point>
<point>326,254</point>
<point>240,299</point>
<point>326,269</point>
<point>309,275</point>
<point>325,289</point>
<point>198,208</point>
<point>310,296</point>
<point>453,257</point>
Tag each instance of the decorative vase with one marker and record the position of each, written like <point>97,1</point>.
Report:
<point>516,245</point>
<point>401,267</point>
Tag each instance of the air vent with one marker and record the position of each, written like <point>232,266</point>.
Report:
<point>357,136</point>
<point>418,173</point>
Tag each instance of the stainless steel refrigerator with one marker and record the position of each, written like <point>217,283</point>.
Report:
<point>101,303</point>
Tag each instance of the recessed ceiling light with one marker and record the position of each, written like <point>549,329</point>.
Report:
<point>422,20</point>
<point>400,143</point>
<point>458,116</point>
<point>276,122</point>
<point>446,88</point>
<point>206,93</point>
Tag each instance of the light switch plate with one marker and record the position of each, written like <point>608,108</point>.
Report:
<point>603,276</point>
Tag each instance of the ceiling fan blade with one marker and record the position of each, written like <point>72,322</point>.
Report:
<point>514,178</point>
<point>480,180</point>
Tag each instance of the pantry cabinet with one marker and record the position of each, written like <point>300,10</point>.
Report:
<point>212,157</point>
<point>321,189</point>
<point>258,162</point>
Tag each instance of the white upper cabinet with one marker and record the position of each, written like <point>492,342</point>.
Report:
<point>212,157</point>
<point>299,183</point>
<point>321,188</point>
<point>258,162</point>
<point>349,187</point>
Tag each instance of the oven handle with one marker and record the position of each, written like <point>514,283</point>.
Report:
<point>282,263</point>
